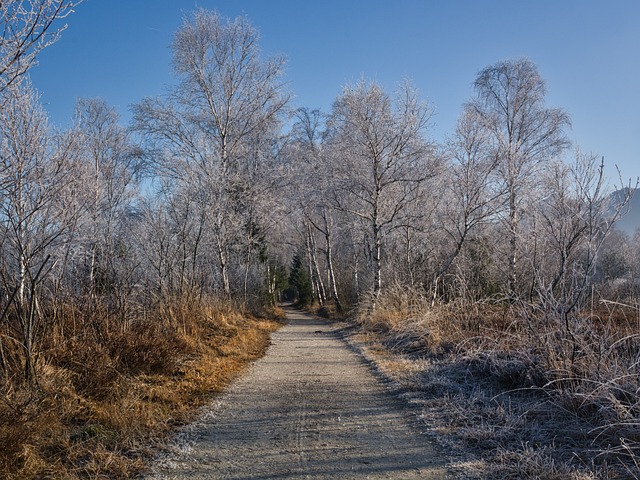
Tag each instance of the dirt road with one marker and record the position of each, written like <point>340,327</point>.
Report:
<point>311,408</point>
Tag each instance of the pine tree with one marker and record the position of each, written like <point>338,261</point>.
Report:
<point>299,280</point>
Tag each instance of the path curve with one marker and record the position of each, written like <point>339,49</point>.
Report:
<point>311,408</point>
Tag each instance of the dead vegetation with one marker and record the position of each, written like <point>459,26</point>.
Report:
<point>108,390</point>
<point>521,393</point>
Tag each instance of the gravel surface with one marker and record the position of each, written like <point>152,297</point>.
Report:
<point>311,408</point>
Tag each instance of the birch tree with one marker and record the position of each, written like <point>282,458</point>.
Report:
<point>35,213</point>
<point>577,215</point>
<point>381,160</point>
<point>524,135</point>
<point>217,122</point>
<point>470,191</point>
<point>27,27</point>
<point>235,96</point>
<point>111,165</point>
<point>312,164</point>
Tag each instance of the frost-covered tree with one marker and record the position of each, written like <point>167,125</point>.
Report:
<point>380,160</point>
<point>523,136</point>
<point>311,186</point>
<point>216,130</point>
<point>27,27</point>
<point>111,164</point>
<point>37,210</point>
<point>470,193</point>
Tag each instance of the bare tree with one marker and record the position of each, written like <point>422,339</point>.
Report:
<point>576,217</point>
<point>312,164</point>
<point>27,28</point>
<point>471,193</point>
<point>217,124</point>
<point>35,212</point>
<point>111,164</point>
<point>171,240</point>
<point>524,134</point>
<point>381,160</point>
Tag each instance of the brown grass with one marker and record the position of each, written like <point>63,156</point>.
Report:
<point>510,385</point>
<point>108,391</point>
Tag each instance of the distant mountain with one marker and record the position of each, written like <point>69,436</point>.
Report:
<point>629,222</point>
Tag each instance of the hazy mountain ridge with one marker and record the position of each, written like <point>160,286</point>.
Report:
<point>629,221</point>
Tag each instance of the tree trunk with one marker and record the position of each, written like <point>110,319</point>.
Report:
<point>322,292</point>
<point>332,277</point>
<point>513,239</point>
<point>315,291</point>
<point>377,263</point>
<point>408,259</point>
<point>246,270</point>
<point>222,258</point>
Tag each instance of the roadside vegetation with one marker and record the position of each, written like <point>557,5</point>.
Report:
<point>108,392</point>
<point>507,392</point>
<point>121,312</point>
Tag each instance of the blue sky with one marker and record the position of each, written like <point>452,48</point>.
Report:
<point>587,51</point>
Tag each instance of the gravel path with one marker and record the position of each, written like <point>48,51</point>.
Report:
<point>311,408</point>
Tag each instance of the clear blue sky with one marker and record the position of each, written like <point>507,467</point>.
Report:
<point>587,51</point>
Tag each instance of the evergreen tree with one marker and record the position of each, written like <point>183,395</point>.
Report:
<point>299,281</point>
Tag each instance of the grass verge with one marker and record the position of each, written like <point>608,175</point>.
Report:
<point>108,390</point>
<point>511,393</point>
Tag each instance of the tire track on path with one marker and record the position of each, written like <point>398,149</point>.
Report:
<point>311,408</point>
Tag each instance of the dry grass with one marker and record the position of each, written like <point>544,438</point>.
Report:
<point>524,397</point>
<point>108,390</point>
